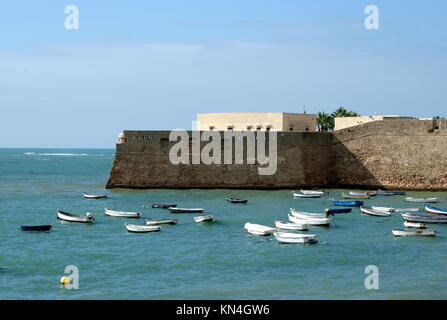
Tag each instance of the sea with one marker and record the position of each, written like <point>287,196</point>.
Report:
<point>357,257</point>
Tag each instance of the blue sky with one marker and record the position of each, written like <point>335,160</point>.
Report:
<point>155,64</point>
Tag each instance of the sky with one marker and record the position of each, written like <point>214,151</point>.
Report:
<point>152,65</point>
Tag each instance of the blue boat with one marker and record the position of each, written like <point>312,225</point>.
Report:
<point>347,203</point>
<point>434,210</point>
<point>163,206</point>
<point>341,210</point>
<point>46,227</point>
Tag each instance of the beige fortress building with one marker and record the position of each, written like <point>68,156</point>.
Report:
<point>251,121</point>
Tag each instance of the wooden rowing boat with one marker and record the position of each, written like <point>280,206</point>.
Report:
<point>258,229</point>
<point>387,209</point>
<point>94,196</point>
<point>417,225</point>
<point>375,213</point>
<point>236,200</point>
<point>161,221</point>
<point>286,225</point>
<point>163,205</point>
<point>302,195</point>
<point>311,221</point>
<point>62,215</point>
<point>359,196</point>
<point>312,192</point>
<point>306,215</point>
<point>413,232</point>
<point>289,237</point>
<point>136,228</point>
<point>336,210</point>
<point>347,203</point>
<point>185,210</point>
<point>394,193</point>
<point>45,227</point>
<point>207,218</point>
<point>421,200</point>
<point>121,214</point>
<point>433,210</point>
<point>423,218</point>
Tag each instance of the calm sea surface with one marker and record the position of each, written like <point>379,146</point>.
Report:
<point>189,260</point>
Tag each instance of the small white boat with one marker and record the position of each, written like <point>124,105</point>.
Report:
<point>407,209</point>
<point>386,209</point>
<point>161,221</point>
<point>94,196</point>
<point>306,215</point>
<point>367,193</point>
<point>207,218</point>
<point>286,225</point>
<point>375,213</point>
<point>358,196</point>
<point>62,215</point>
<point>421,200</point>
<point>311,221</point>
<point>417,225</point>
<point>302,195</point>
<point>289,237</point>
<point>312,192</point>
<point>122,214</point>
<point>258,229</point>
<point>423,218</point>
<point>185,210</point>
<point>413,232</point>
<point>141,229</point>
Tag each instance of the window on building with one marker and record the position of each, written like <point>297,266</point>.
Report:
<point>258,128</point>
<point>249,128</point>
<point>291,129</point>
<point>212,128</point>
<point>230,128</point>
<point>267,129</point>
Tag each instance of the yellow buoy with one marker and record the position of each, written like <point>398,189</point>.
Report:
<point>65,280</point>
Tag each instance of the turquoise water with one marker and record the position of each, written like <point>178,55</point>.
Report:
<point>189,260</point>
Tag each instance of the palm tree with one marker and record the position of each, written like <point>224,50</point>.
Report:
<point>342,112</point>
<point>324,121</point>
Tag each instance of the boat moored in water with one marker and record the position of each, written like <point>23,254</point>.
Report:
<point>163,205</point>
<point>347,203</point>
<point>258,229</point>
<point>417,225</point>
<point>358,196</point>
<point>45,227</point>
<point>286,225</point>
<point>94,196</point>
<point>337,210</point>
<point>207,218</point>
<point>311,221</point>
<point>236,200</point>
<point>185,210</point>
<point>421,200</point>
<point>161,221</point>
<point>392,193</point>
<point>62,215</point>
<point>136,228</point>
<point>312,192</point>
<point>387,209</point>
<point>303,195</point>
<point>413,232</point>
<point>289,237</point>
<point>121,214</point>
<point>423,218</point>
<point>306,215</point>
<point>433,210</point>
<point>376,213</point>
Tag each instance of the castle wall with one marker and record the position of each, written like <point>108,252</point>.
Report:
<point>400,154</point>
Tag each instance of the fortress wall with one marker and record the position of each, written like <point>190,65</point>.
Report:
<point>303,160</point>
<point>401,154</point>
